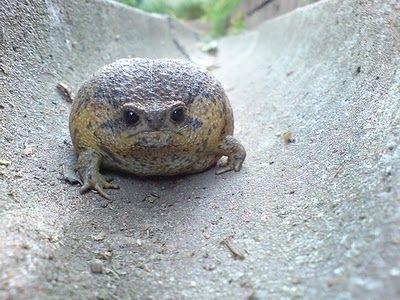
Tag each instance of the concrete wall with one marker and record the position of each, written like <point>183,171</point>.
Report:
<point>256,11</point>
<point>316,218</point>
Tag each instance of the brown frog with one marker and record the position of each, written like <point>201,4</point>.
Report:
<point>151,117</point>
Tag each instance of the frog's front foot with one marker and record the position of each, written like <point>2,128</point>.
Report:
<point>234,151</point>
<point>98,182</point>
<point>89,170</point>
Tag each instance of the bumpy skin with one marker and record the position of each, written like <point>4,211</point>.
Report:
<point>103,137</point>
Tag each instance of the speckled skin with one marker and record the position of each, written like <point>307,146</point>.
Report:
<point>156,144</point>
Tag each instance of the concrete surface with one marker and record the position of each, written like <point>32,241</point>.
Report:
<point>317,218</point>
<point>257,11</point>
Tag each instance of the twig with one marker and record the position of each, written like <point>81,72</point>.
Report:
<point>235,252</point>
<point>338,170</point>
<point>66,91</point>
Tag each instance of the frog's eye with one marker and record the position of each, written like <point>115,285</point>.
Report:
<point>131,118</point>
<point>178,114</point>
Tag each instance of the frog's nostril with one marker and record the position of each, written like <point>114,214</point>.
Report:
<point>154,122</point>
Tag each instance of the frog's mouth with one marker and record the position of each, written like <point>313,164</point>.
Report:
<point>153,139</point>
<point>160,138</point>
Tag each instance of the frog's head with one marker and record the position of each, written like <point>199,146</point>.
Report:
<point>142,103</point>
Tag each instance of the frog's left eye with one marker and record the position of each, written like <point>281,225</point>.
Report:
<point>178,114</point>
<point>131,117</point>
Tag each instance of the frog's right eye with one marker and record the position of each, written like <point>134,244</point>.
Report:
<point>131,118</point>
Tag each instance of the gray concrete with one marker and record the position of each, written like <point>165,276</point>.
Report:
<point>318,218</point>
<point>257,11</point>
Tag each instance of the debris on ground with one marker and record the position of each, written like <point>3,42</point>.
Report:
<point>101,236</point>
<point>3,69</point>
<point>236,253</point>
<point>105,255</point>
<point>110,271</point>
<point>96,266</point>
<point>338,171</point>
<point>66,92</point>
<point>209,48</point>
<point>104,203</point>
<point>152,197</point>
<point>4,162</point>
<point>290,73</point>
<point>27,150</point>
<point>144,267</point>
<point>287,136</point>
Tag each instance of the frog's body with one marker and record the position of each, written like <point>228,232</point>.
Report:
<point>151,117</point>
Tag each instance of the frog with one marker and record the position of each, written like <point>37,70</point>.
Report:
<point>151,117</point>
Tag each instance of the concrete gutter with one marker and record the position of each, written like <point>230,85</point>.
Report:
<point>315,218</point>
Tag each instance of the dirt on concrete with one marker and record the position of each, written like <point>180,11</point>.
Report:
<point>313,216</point>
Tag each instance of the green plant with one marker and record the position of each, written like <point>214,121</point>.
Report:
<point>129,2</point>
<point>190,9</point>
<point>157,6</point>
<point>237,21</point>
<point>219,15</point>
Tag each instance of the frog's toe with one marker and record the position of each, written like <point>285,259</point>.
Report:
<point>101,192</point>
<point>111,185</point>
<point>106,182</point>
<point>223,170</point>
<point>237,162</point>
<point>98,183</point>
<point>88,186</point>
<point>234,150</point>
<point>85,188</point>
<point>222,162</point>
<point>108,178</point>
<point>233,163</point>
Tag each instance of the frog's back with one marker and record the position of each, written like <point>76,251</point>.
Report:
<point>154,81</point>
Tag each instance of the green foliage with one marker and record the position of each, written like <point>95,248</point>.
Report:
<point>190,9</point>
<point>217,12</point>
<point>237,21</point>
<point>184,9</point>
<point>129,2</point>
<point>157,6</point>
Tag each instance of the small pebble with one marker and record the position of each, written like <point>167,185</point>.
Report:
<point>193,284</point>
<point>4,162</point>
<point>101,236</point>
<point>210,48</point>
<point>209,267</point>
<point>287,136</point>
<point>152,197</point>
<point>96,266</point>
<point>104,203</point>
<point>27,150</point>
<point>26,246</point>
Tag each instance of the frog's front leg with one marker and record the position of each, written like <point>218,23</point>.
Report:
<point>234,150</point>
<point>88,167</point>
